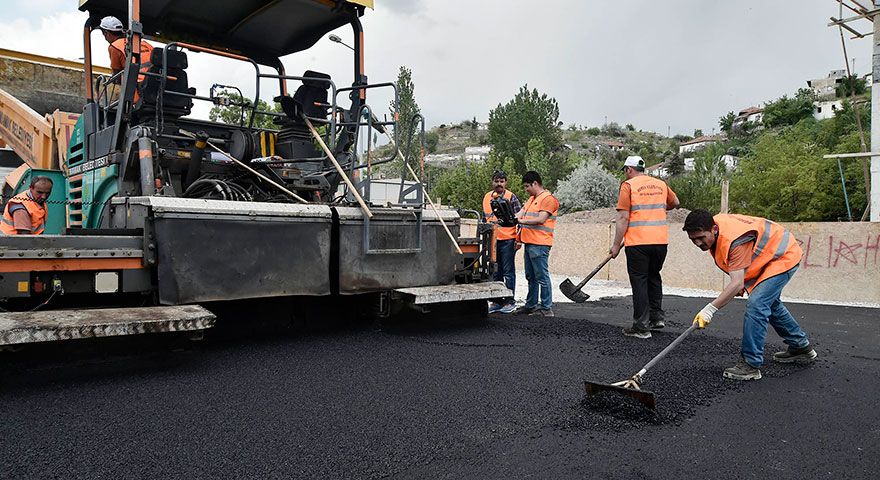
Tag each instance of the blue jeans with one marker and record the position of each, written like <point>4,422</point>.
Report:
<point>764,307</point>
<point>538,276</point>
<point>505,254</point>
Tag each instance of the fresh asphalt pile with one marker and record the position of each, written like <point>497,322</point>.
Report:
<point>443,397</point>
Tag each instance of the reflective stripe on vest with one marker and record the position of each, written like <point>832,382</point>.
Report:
<point>36,211</point>
<point>538,234</point>
<point>776,250</point>
<point>501,233</point>
<point>647,212</point>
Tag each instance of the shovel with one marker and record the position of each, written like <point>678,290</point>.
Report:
<point>573,292</point>
<point>630,387</point>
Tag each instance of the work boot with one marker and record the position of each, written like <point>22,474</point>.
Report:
<point>509,308</point>
<point>541,312</point>
<point>494,307</point>
<point>524,310</point>
<point>742,371</point>
<point>632,332</point>
<point>790,355</point>
<point>657,324</point>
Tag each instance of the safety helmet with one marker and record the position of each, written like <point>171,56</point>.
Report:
<point>111,24</point>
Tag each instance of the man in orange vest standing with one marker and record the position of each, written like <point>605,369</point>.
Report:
<point>641,225</point>
<point>505,241</point>
<point>26,214</point>
<point>537,220</point>
<point>760,256</point>
<point>112,29</point>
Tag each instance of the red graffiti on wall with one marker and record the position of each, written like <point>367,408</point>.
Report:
<point>840,250</point>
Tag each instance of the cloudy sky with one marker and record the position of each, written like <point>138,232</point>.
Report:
<point>671,65</point>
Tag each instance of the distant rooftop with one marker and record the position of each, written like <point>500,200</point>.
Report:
<point>702,139</point>
<point>750,111</point>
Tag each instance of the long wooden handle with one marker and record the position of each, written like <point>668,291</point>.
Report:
<point>593,273</point>
<point>665,351</point>
<point>240,163</point>
<point>431,202</point>
<point>338,167</point>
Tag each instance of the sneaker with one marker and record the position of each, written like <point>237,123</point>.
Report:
<point>524,310</point>
<point>632,332</point>
<point>657,324</point>
<point>742,371</point>
<point>494,307</point>
<point>509,308</point>
<point>541,312</point>
<point>791,354</point>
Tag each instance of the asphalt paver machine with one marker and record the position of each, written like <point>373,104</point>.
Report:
<point>163,212</point>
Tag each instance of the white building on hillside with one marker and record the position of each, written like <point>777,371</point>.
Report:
<point>658,170</point>
<point>826,109</point>
<point>752,115</point>
<point>697,143</point>
<point>826,88</point>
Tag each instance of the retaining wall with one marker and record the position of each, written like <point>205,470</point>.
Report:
<point>841,260</point>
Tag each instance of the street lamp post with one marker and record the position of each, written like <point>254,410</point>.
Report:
<point>335,38</point>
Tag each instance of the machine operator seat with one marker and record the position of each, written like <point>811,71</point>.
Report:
<point>310,98</point>
<point>149,89</point>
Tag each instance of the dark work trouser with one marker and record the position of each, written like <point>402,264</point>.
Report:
<point>505,254</point>
<point>643,263</point>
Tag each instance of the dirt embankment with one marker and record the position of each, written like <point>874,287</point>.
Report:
<point>609,215</point>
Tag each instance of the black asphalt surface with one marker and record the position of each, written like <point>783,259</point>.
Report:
<point>454,397</point>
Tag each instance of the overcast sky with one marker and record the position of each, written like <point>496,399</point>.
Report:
<point>671,64</point>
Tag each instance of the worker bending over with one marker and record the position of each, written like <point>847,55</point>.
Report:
<point>760,256</point>
<point>537,220</point>
<point>641,223</point>
<point>26,214</point>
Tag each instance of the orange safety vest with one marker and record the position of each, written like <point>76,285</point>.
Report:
<point>37,212</point>
<point>539,234</point>
<point>146,55</point>
<point>501,233</point>
<point>647,212</point>
<point>776,250</point>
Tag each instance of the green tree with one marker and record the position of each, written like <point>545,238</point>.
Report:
<point>701,188</point>
<point>630,127</point>
<point>726,122</point>
<point>674,165</point>
<point>613,129</point>
<point>786,179</point>
<point>432,138</point>
<point>407,108</point>
<point>593,131</point>
<point>698,133</point>
<point>853,82</point>
<point>238,111</point>
<point>529,115</point>
<point>789,111</point>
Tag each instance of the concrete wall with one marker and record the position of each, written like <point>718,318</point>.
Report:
<point>841,260</point>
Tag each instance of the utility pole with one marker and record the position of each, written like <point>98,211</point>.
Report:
<point>874,201</point>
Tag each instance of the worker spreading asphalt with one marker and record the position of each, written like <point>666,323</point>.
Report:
<point>445,397</point>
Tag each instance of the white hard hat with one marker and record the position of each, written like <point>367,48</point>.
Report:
<point>111,24</point>
<point>634,161</point>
